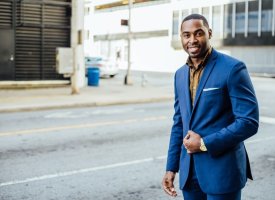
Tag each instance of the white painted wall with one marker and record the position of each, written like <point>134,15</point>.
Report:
<point>156,54</point>
<point>150,18</point>
<point>254,56</point>
<point>152,54</point>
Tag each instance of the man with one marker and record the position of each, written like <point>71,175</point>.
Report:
<point>215,111</point>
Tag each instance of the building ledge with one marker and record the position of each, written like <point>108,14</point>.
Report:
<point>33,84</point>
<point>135,35</point>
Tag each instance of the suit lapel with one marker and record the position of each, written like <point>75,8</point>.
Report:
<point>207,71</point>
<point>186,90</point>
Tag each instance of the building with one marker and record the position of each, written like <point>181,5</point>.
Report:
<point>151,22</point>
<point>30,31</point>
<point>242,28</point>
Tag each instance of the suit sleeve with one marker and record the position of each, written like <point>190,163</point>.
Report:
<point>245,111</point>
<point>176,137</point>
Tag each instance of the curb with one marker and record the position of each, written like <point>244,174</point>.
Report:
<point>80,105</point>
<point>33,84</point>
<point>262,75</point>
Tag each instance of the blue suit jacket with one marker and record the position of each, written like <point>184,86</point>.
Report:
<point>225,113</point>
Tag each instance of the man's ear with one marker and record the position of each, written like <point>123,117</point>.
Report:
<point>210,33</point>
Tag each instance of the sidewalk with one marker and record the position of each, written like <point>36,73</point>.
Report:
<point>156,87</point>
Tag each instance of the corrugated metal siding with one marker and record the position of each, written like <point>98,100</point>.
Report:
<point>5,14</point>
<point>40,27</point>
<point>27,51</point>
<point>53,38</point>
<point>28,42</point>
<point>55,34</point>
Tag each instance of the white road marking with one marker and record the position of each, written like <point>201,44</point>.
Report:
<point>111,166</point>
<point>80,171</point>
<point>267,120</point>
<point>271,159</point>
<point>155,118</point>
<point>122,164</point>
<point>67,115</point>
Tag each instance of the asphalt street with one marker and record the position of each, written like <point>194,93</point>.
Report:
<point>112,152</point>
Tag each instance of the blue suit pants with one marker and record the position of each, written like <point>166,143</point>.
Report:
<point>192,190</point>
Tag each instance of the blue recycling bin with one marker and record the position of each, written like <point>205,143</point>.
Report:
<point>93,76</point>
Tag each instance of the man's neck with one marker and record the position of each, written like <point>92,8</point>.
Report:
<point>197,61</point>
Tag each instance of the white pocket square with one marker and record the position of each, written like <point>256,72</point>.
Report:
<point>209,89</point>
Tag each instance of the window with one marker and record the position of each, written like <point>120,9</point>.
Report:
<point>175,28</point>
<point>205,13</point>
<point>185,13</point>
<point>227,20</point>
<point>266,16</point>
<point>240,17</point>
<point>252,22</point>
<point>195,10</point>
<point>216,21</point>
<point>253,16</point>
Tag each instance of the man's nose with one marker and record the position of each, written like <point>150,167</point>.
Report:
<point>193,38</point>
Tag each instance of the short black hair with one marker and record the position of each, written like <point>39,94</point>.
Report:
<point>196,16</point>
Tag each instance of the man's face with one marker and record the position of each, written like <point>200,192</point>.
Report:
<point>195,38</point>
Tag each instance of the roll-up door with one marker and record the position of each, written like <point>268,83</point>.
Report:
<point>42,27</point>
<point>39,26</point>
<point>6,40</point>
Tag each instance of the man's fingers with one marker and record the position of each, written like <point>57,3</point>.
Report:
<point>167,190</point>
<point>167,184</point>
<point>168,187</point>
<point>170,191</point>
<point>187,136</point>
<point>174,193</point>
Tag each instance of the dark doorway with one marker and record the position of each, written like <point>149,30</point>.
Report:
<point>7,54</point>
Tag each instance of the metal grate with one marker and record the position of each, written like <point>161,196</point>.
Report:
<point>53,38</point>
<point>41,27</point>
<point>28,56</point>
<point>38,27</point>
<point>5,14</point>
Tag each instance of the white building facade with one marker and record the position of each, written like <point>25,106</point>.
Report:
<point>241,28</point>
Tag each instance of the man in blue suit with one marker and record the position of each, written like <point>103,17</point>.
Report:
<point>215,111</point>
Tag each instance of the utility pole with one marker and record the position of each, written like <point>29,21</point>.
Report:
<point>77,26</point>
<point>127,80</point>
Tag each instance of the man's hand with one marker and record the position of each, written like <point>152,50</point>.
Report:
<point>168,183</point>
<point>192,142</point>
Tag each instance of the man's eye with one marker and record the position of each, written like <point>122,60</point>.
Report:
<point>186,35</point>
<point>200,33</point>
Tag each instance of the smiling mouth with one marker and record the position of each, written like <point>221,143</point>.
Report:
<point>193,48</point>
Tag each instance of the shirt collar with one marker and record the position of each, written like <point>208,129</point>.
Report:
<point>203,62</point>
